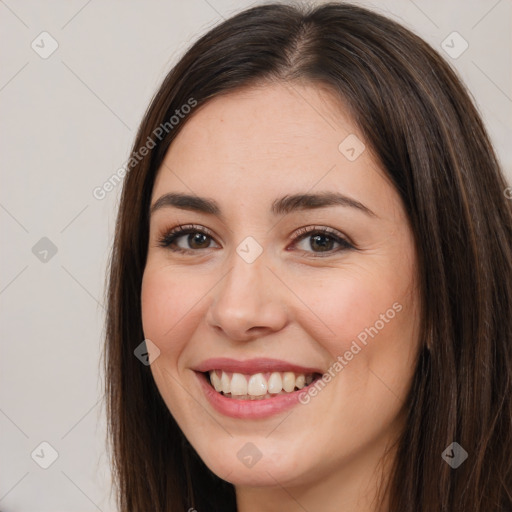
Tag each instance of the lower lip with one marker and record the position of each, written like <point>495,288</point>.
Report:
<point>248,409</point>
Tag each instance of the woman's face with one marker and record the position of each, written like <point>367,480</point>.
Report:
<point>259,295</point>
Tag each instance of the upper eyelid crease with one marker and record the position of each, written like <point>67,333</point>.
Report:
<point>170,236</point>
<point>281,206</point>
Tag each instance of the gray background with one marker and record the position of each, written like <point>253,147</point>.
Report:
<point>68,122</point>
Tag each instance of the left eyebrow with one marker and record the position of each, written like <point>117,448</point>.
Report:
<point>281,206</point>
<point>288,204</point>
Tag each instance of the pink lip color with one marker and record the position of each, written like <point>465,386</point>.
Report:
<point>252,366</point>
<point>248,409</point>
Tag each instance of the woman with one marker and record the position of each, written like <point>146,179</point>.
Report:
<point>314,242</point>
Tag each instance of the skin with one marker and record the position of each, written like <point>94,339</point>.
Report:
<point>244,150</point>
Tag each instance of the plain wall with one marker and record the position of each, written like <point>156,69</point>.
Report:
<point>67,124</point>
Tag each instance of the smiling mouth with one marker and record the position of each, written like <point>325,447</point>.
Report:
<point>258,386</point>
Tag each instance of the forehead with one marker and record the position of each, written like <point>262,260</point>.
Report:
<point>265,122</point>
<point>258,141</point>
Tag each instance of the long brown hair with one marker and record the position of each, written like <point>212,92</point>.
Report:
<point>421,124</point>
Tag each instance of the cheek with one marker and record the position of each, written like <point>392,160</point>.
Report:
<point>349,305</point>
<point>169,309</point>
<point>372,351</point>
<point>370,320</point>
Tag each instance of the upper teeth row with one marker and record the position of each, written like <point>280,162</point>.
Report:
<point>258,384</point>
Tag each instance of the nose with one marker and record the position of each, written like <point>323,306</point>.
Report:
<point>248,302</point>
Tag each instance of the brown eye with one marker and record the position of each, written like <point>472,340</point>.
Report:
<point>186,239</point>
<point>198,240</point>
<point>321,240</point>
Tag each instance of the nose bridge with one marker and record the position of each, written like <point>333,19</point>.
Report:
<point>245,280</point>
<point>247,299</point>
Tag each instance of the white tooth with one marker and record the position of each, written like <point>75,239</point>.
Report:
<point>288,381</point>
<point>238,384</point>
<point>215,379</point>
<point>300,381</point>
<point>257,385</point>
<point>225,383</point>
<point>275,383</point>
<point>309,380</point>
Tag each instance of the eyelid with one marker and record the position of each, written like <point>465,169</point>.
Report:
<point>169,236</point>
<point>308,230</point>
<point>339,238</point>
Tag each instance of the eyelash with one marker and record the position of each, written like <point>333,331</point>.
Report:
<point>168,238</point>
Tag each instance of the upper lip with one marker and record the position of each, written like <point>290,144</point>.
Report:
<point>252,366</point>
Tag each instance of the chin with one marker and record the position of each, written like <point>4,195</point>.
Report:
<point>255,463</point>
